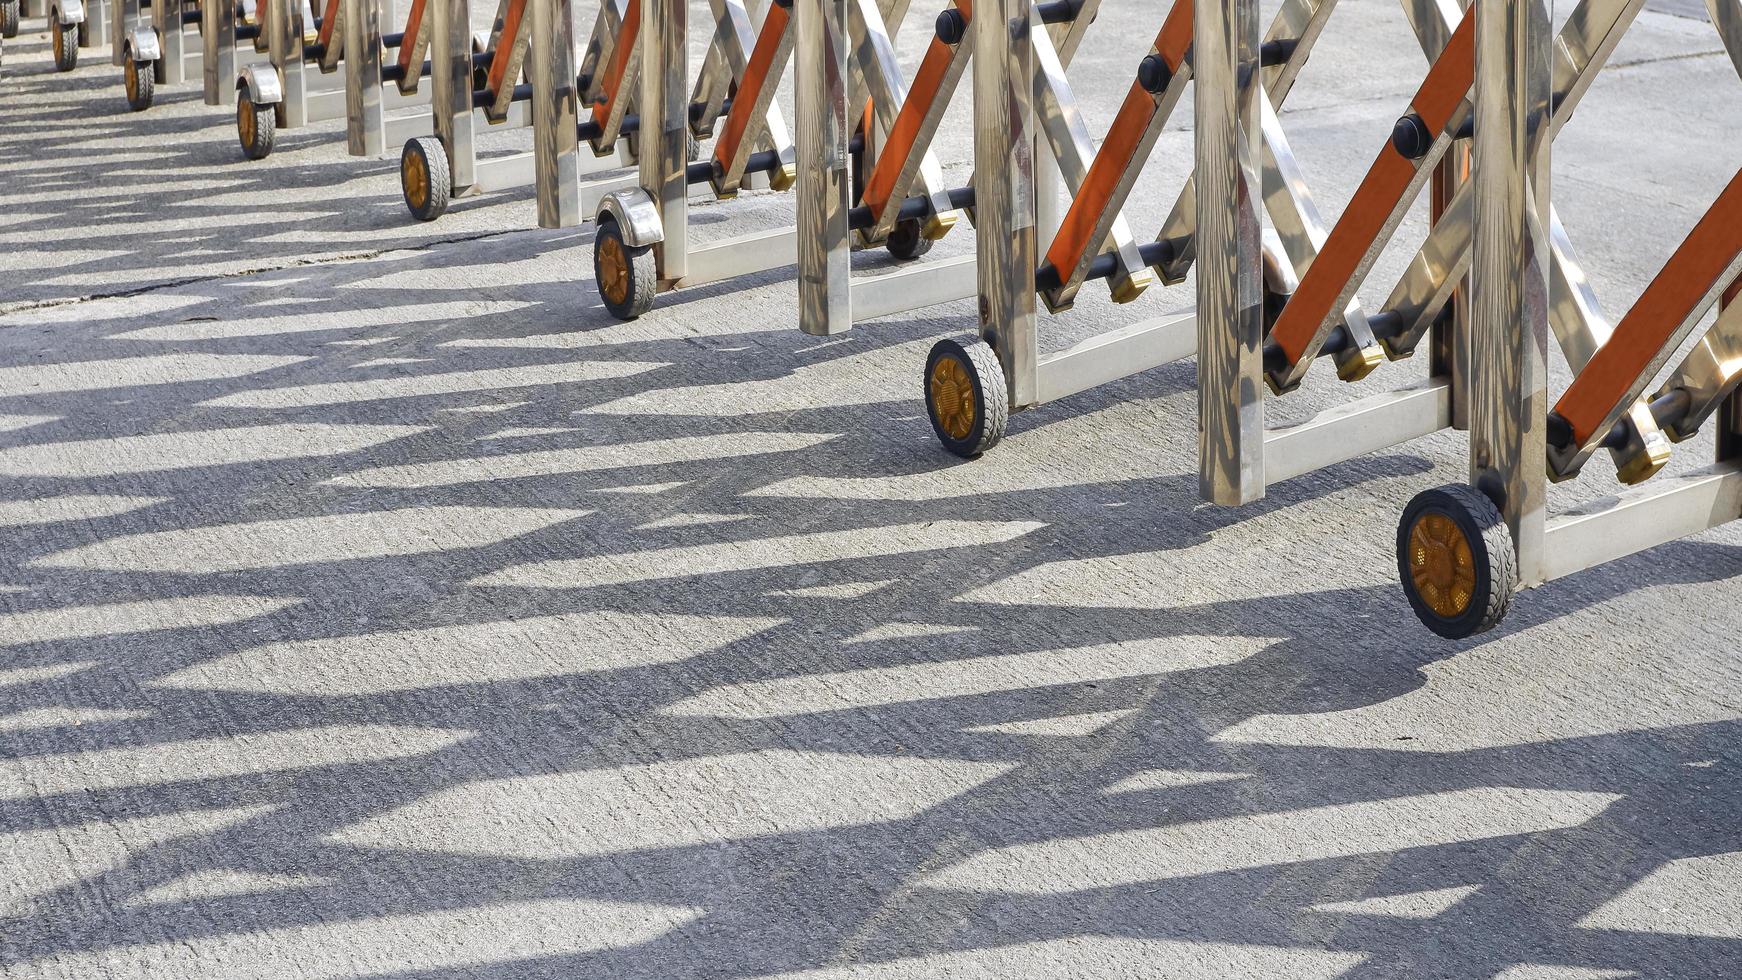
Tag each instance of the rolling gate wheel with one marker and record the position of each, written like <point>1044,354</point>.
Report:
<point>140,82</point>
<point>908,241</point>
<point>64,38</point>
<point>1456,560</point>
<point>966,397</point>
<point>627,274</point>
<point>256,127</point>
<point>424,178</point>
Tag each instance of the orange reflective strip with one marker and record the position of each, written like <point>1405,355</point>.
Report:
<point>744,101</point>
<point>619,62</point>
<point>1447,83</point>
<point>329,18</point>
<point>408,41</point>
<point>1119,151</point>
<point>500,58</point>
<point>927,83</point>
<point>1649,325</point>
<point>1115,155</point>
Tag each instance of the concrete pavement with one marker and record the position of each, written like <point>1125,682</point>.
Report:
<point>371,603</point>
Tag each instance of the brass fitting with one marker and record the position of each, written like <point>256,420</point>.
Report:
<point>939,225</point>
<point>1129,288</point>
<point>1357,364</point>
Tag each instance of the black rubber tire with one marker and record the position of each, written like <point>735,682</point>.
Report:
<point>693,149</point>
<point>9,17</point>
<point>639,266</point>
<point>65,42</point>
<point>1492,556</point>
<point>427,153</point>
<point>256,142</point>
<point>140,81</point>
<point>991,397</point>
<point>906,241</point>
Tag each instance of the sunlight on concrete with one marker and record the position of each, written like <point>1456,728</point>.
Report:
<point>964,677</point>
<point>310,540</point>
<point>1103,958</point>
<point>86,458</point>
<point>41,862</point>
<point>1488,696</point>
<point>442,939</point>
<point>1060,726</point>
<point>826,383</point>
<point>410,315</point>
<point>664,805</point>
<point>417,385</point>
<point>79,622</point>
<point>580,459</point>
<point>758,553</point>
<point>1409,905</point>
<point>221,883</point>
<point>128,372</point>
<point>1695,896</point>
<point>1265,839</point>
<point>224,757</point>
<point>73,507</point>
<point>468,653</point>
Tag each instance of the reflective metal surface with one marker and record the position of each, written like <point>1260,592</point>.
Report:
<point>365,117</point>
<point>1004,138</point>
<point>450,97</point>
<point>555,114</point>
<point>1509,266</point>
<point>825,192</point>
<point>1230,270</point>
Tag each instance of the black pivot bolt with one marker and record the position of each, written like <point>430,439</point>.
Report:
<point>1153,74</point>
<point>1411,138</point>
<point>952,26</point>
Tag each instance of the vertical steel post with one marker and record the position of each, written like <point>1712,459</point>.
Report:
<point>126,15</point>
<point>365,116</point>
<point>95,31</point>
<point>1007,247</point>
<point>1729,414</point>
<point>664,135</point>
<point>825,187</point>
<point>218,50</point>
<point>172,68</point>
<point>1509,271</point>
<point>287,58</point>
<point>1230,264</point>
<point>450,90</point>
<point>555,114</point>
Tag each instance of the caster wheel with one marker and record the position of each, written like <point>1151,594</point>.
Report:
<point>255,127</point>
<point>9,19</point>
<point>966,397</point>
<point>906,242</point>
<point>1456,560</point>
<point>424,177</point>
<point>140,80</point>
<point>626,275</point>
<point>65,40</point>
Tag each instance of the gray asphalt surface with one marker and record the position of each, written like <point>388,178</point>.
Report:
<point>372,604</point>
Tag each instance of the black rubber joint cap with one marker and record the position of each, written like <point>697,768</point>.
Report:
<point>952,26</point>
<point>1153,74</point>
<point>1411,138</point>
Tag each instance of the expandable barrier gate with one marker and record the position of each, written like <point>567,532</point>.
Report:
<point>1274,298</point>
<point>1463,550</point>
<point>1277,284</point>
<point>1459,565</point>
<point>72,24</point>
